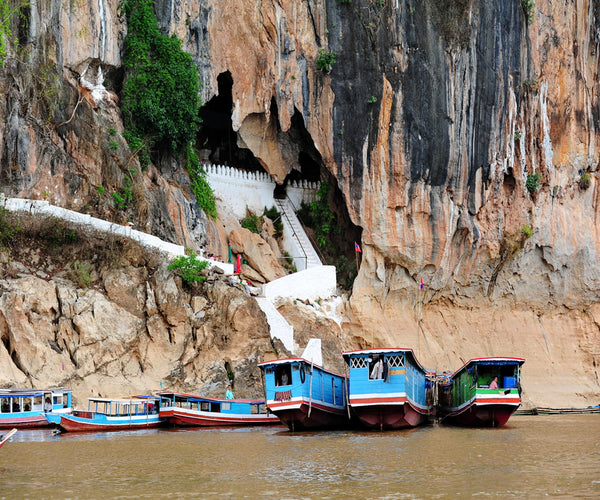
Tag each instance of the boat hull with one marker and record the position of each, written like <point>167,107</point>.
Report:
<point>482,415</point>
<point>389,417</point>
<point>72,423</point>
<point>25,422</point>
<point>193,418</point>
<point>303,415</point>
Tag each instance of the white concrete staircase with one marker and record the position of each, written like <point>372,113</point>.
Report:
<point>295,238</point>
<point>279,327</point>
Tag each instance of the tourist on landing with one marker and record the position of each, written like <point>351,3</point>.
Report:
<point>494,383</point>
<point>48,405</point>
<point>228,393</point>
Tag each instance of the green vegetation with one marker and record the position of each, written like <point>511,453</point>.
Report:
<point>585,180</point>
<point>253,222</point>
<point>100,190</point>
<point>372,99</point>
<point>81,273</point>
<point>189,268</point>
<point>533,182</point>
<point>200,186</point>
<point>113,145</point>
<point>9,227</point>
<point>529,10</point>
<point>326,60</point>
<point>518,135</point>
<point>318,215</point>
<point>161,87</point>
<point>112,131</point>
<point>527,231</point>
<point>8,10</point>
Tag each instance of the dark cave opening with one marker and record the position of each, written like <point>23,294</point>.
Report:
<point>216,138</point>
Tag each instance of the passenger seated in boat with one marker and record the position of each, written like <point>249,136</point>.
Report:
<point>27,407</point>
<point>15,406</point>
<point>284,379</point>
<point>5,407</point>
<point>48,405</point>
<point>494,383</point>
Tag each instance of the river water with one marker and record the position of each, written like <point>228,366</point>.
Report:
<point>531,457</point>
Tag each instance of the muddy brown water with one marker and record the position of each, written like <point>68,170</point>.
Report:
<point>555,456</point>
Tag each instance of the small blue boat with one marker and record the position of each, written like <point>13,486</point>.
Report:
<point>25,408</point>
<point>388,388</point>
<point>304,395</point>
<point>103,414</point>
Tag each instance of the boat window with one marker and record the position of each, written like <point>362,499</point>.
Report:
<point>37,401</point>
<point>204,406</point>
<point>225,406</point>
<point>376,368</point>
<point>396,361</point>
<point>215,407</point>
<point>358,362</point>
<point>283,375</point>
<point>27,404</point>
<point>4,405</point>
<point>254,409</point>
<point>57,400</point>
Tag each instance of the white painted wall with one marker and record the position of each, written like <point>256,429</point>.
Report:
<point>239,189</point>
<point>311,284</point>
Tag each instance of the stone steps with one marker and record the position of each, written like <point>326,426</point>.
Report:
<point>297,231</point>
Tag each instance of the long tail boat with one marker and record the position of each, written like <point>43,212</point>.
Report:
<point>189,410</point>
<point>485,392</point>
<point>25,408</point>
<point>388,388</point>
<point>305,396</point>
<point>110,415</point>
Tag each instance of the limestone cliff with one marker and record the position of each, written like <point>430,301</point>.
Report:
<point>431,122</point>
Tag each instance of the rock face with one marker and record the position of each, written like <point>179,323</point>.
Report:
<point>432,121</point>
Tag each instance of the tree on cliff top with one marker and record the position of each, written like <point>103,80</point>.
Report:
<point>161,89</point>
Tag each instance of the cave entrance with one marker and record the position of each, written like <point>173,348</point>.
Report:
<point>216,138</point>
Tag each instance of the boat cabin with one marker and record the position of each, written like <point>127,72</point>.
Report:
<point>213,405</point>
<point>120,407</point>
<point>34,400</point>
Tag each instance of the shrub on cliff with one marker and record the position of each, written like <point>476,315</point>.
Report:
<point>189,268</point>
<point>161,87</point>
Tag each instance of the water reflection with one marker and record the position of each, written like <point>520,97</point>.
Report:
<point>534,456</point>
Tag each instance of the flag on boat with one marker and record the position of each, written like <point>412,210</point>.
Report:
<point>421,282</point>
<point>356,247</point>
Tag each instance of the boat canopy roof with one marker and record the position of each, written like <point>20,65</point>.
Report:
<point>181,396</point>
<point>30,392</point>
<point>287,361</point>
<point>493,361</point>
<point>373,352</point>
<point>135,400</point>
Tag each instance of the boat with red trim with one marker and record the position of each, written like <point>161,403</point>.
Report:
<point>25,408</point>
<point>485,392</point>
<point>305,395</point>
<point>189,410</point>
<point>388,388</point>
<point>139,412</point>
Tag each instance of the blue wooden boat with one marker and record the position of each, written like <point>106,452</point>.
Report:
<point>188,410</point>
<point>111,415</point>
<point>485,392</point>
<point>388,388</point>
<point>25,408</point>
<point>304,395</point>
